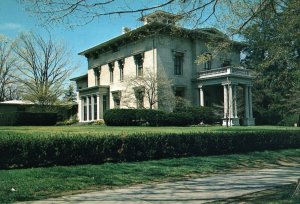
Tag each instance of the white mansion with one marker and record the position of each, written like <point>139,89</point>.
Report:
<point>162,47</point>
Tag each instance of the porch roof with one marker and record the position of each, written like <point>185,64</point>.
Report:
<point>237,75</point>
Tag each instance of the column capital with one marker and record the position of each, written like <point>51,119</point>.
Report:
<point>229,83</point>
<point>200,86</point>
<point>248,85</point>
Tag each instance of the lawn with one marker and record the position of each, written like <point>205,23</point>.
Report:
<point>40,183</point>
<point>128,130</point>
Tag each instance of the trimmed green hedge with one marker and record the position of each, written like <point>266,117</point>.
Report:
<point>134,117</point>
<point>33,151</point>
<point>28,118</point>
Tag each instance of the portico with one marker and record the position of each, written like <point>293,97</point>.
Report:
<point>92,102</point>
<point>230,78</point>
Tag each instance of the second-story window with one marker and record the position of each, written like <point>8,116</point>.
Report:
<point>226,63</point>
<point>121,67</point>
<point>97,72</point>
<point>208,61</point>
<point>139,60</point>
<point>178,63</point>
<point>111,71</point>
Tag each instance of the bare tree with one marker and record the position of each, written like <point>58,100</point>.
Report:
<point>154,87</point>
<point>7,68</point>
<point>42,69</point>
<point>80,12</point>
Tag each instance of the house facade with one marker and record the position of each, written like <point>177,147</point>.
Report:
<point>163,48</point>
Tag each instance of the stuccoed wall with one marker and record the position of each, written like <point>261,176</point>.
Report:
<point>125,52</point>
<point>165,61</point>
<point>158,56</point>
<point>166,45</point>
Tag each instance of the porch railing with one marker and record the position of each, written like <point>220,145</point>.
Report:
<point>225,71</point>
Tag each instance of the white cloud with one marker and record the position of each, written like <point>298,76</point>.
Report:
<point>10,26</point>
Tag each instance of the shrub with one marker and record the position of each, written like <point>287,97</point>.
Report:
<point>267,117</point>
<point>99,122</point>
<point>121,117</point>
<point>199,114</point>
<point>177,119</point>
<point>133,117</point>
<point>41,150</point>
<point>28,118</point>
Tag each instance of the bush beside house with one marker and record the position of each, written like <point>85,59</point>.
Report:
<point>179,117</point>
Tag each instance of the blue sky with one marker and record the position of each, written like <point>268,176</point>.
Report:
<point>14,19</point>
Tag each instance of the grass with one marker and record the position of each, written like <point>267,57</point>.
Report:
<point>94,129</point>
<point>41,183</point>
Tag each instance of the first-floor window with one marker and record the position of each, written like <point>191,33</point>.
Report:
<point>179,92</point>
<point>117,98</point>
<point>104,100</point>
<point>139,93</point>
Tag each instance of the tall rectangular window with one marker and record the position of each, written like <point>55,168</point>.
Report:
<point>104,100</point>
<point>97,72</point>
<point>139,93</point>
<point>139,60</point>
<point>208,61</point>
<point>121,68</point>
<point>178,63</point>
<point>95,107</point>
<point>111,71</point>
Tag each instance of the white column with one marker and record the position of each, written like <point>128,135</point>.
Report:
<point>100,105</point>
<point>246,101</point>
<point>92,107</point>
<point>87,108</point>
<point>80,109</point>
<point>234,102</point>
<point>225,100</point>
<point>230,101</point>
<point>98,109</point>
<point>201,96</point>
<point>250,102</point>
